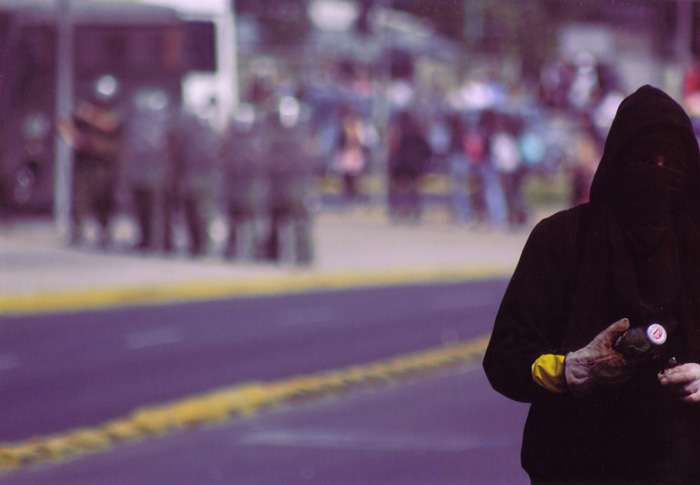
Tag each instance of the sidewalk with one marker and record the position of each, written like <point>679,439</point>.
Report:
<point>356,247</point>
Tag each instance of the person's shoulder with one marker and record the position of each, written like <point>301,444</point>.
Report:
<point>563,221</point>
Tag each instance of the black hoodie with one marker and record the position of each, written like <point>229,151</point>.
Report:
<point>580,272</point>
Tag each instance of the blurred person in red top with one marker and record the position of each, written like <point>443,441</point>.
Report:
<point>351,158</point>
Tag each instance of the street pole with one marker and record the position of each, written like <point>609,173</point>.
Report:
<point>232,60</point>
<point>684,32</point>
<point>64,106</point>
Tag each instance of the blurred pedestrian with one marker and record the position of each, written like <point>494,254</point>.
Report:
<point>95,133</point>
<point>507,159</point>
<point>409,157</point>
<point>489,178</point>
<point>350,158</point>
<point>149,166</point>
<point>587,153</point>
<point>476,150</point>
<point>460,171</point>
<point>626,259</point>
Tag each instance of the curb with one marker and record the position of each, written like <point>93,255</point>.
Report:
<point>202,290</point>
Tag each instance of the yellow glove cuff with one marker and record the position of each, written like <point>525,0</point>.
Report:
<point>548,372</point>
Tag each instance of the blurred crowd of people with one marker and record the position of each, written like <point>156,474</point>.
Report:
<point>171,165</point>
<point>488,139</point>
<point>165,165</point>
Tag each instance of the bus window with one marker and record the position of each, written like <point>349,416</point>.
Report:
<point>4,29</point>
<point>171,48</point>
<point>143,48</point>
<point>96,48</point>
<point>129,50</point>
<point>115,48</point>
<point>4,32</point>
<point>39,44</point>
<point>200,46</point>
<point>36,59</point>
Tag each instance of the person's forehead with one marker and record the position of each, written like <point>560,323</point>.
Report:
<point>659,143</point>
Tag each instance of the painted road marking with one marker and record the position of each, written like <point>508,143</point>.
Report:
<point>307,315</point>
<point>451,303</point>
<point>222,405</point>
<point>9,361</point>
<point>294,282</point>
<point>152,338</point>
<point>344,440</point>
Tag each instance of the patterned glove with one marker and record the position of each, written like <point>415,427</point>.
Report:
<point>598,364</point>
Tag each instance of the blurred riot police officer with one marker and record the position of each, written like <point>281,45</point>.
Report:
<point>95,132</point>
<point>289,168</point>
<point>149,165</point>
<point>269,174</point>
<point>245,185</point>
<point>198,171</point>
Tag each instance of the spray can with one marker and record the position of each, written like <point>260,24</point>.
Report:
<point>640,340</point>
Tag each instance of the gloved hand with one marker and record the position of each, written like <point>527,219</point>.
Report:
<point>683,380</point>
<point>598,364</point>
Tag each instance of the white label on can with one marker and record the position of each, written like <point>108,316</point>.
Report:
<point>656,334</point>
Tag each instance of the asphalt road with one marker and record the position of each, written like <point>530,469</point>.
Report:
<point>65,371</point>
<point>446,430</point>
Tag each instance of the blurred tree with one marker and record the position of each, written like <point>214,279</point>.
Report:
<point>282,22</point>
<point>447,16</point>
<point>522,29</point>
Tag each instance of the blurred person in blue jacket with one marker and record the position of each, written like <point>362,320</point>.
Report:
<point>492,189</point>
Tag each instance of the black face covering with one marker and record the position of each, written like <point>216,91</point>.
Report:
<point>643,246</point>
<point>650,181</point>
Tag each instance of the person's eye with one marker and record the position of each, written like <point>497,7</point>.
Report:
<point>673,162</point>
<point>640,161</point>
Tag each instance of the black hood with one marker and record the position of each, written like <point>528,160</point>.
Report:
<point>646,109</point>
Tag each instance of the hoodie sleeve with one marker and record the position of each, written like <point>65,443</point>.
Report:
<point>530,315</point>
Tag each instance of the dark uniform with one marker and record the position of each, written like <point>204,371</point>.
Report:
<point>270,174</point>
<point>245,185</point>
<point>197,176</point>
<point>149,166</point>
<point>408,160</point>
<point>97,132</point>
<point>290,174</point>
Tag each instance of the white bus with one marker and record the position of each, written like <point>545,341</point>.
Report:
<point>137,44</point>
<point>213,46</point>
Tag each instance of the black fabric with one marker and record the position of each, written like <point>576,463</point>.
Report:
<point>587,267</point>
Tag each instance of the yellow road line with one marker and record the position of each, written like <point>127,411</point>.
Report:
<point>293,282</point>
<point>240,400</point>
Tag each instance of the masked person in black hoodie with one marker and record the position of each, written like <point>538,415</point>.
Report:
<point>628,258</point>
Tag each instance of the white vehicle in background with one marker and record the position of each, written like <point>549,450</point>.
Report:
<point>211,50</point>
